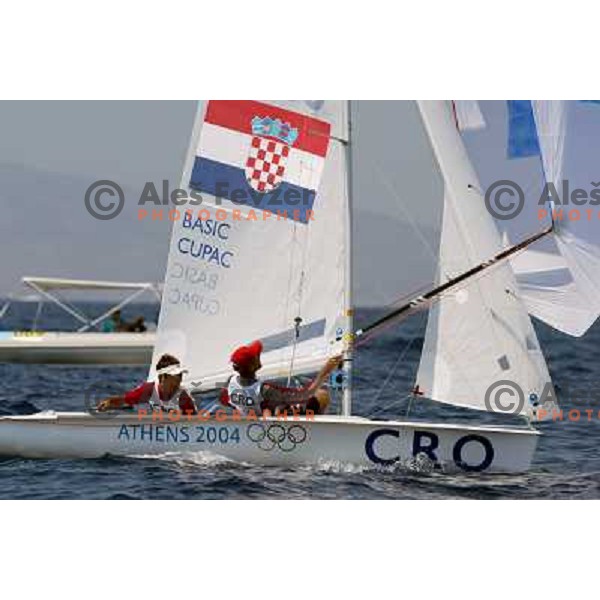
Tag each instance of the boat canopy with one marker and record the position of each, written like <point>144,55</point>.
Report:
<point>49,288</point>
<point>52,283</point>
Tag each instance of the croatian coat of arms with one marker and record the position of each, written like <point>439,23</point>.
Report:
<point>269,152</point>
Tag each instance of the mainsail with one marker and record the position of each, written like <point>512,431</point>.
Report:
<point>264,255</point>
<point>481,334</point>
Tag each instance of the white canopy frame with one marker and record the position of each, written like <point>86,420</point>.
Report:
<point>44,286</point>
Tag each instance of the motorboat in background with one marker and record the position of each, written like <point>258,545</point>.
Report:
<point>89,344</point>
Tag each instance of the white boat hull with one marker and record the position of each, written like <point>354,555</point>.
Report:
<point>298,441</point>
<point>77,348</point>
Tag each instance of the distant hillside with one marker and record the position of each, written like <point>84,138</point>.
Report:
<point>45,230</point>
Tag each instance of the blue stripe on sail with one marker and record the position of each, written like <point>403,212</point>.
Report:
<point>522,133</point>
<point>226,181</point>
<point>590,102</point>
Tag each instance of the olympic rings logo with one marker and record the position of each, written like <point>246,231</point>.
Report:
<point>268,438</point>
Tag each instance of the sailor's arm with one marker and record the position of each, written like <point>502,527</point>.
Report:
<point>140,394</point>
<point>330,366</point>
<point>275,397</point>
<point>187,404</point>
<point>272,397</point>
<point>110,403</point>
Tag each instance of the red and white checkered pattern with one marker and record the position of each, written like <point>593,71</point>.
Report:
<point>266,164</point>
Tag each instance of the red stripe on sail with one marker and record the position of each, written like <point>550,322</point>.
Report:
<point>313,134</point>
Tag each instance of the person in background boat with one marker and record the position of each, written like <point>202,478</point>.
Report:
<point>165,394</point>
<point>245,391</point>
<point>114,323</point>
<point>117,324</point>
<point>136,326</point>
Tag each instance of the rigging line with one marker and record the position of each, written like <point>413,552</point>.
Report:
<point>411,398</point>
<point>411,395</point>
<point>378,411</point>
<point>400,204</point>
<point>293,357</point>
<point>290,274</point>
<point>421,302</point>
<point>395,367</point>
<point>5,308</point>
<point>297,324</point>
<point>298,318</point>
<point>293,242</point>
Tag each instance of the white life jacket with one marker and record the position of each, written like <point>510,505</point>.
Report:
<point>245,397</point>
<point>156,402</point>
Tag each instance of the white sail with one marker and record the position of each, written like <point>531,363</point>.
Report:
<point>569,135</point>
<point>549,292</point>
<point>540,267</point>
<point>273,268</point>
<point>481,334</point>
<point>546,280</point>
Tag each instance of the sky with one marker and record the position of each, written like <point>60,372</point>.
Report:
<point>51,151</point>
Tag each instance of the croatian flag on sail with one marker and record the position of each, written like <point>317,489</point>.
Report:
<point>262,156</point>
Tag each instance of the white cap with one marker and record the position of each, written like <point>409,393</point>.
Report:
<point>172,370</point>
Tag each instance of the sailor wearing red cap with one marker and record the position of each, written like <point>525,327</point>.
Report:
<point>246,392</point>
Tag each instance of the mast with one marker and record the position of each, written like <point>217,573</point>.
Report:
<point>349,335</point>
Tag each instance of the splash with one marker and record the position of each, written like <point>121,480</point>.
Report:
<point>337,466</point>
<point>201,458</point>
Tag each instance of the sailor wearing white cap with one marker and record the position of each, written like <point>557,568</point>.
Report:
<point>165,394</point>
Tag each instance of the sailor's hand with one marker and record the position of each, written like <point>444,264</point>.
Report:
<point>333,363</point>
<point>103,406</point>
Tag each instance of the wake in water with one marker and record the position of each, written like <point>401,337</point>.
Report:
<point>203,459</point>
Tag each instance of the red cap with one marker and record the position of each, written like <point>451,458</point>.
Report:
<point>244,354</point>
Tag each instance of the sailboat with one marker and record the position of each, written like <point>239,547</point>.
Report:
<point>87,345</point>
<point>269,259</point>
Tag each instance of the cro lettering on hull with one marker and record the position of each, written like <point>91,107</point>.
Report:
<point>467,452</point>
